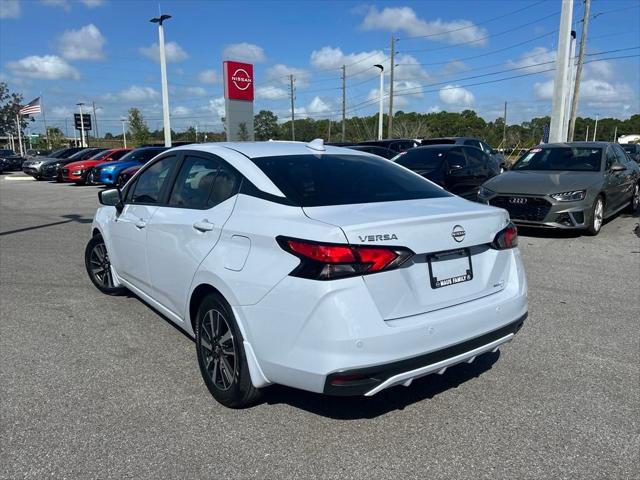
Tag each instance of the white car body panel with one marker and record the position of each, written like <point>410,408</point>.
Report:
<point>298,331</point>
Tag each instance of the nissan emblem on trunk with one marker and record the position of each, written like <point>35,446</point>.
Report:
<point>458,233</point>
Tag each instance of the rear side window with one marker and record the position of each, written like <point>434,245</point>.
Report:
<point>472,143</point>
<point>319,180</point>
<point>150,183</point>
<point>476,158</point>
<point>422,159</point>
<point>226,185</point>
<point>194,182</point>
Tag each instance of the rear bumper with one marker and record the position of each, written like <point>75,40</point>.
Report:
<point>371,380</point>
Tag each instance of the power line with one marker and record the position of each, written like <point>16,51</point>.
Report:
<point>484,22</point>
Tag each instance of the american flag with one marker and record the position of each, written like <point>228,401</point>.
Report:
<point>31,108</point>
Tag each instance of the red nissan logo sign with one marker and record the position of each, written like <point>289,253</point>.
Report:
<point>238,81</point>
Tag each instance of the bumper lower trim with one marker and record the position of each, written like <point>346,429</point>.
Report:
<point>372,380</point>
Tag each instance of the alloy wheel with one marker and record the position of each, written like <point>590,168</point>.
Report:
<point>218,349</point>
<point>100,265</point>
<point>598,215</point>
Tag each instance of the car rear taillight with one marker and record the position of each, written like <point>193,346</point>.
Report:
<point>327,261</point>
<point>506,238</point>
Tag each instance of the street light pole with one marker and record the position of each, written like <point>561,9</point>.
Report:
<point>595,129</point>
<point>163,74</point>
<point>381,100</point>
<point>124,132</point>
<point>84,144</point>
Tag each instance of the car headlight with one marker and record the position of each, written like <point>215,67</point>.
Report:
<point>77,172</point>
<point>573,196</point>
<point>485,192</point>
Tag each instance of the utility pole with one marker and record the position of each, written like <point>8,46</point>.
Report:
<point>586,137</point>
<point>560,86</point>
<point>576,87</point>
<point>19,134</point>
<point>571,76</point>
<point>504,127</point>
<point>66,128</point>
<point>595,129</point>
<point>615,134</point>
<point>344,100</point>
<point>44,120</point>
<point>390,120</point>
<point>163,76</point>
<point>196,133</point>
<point>84,143</point>
<point>293,117</point>
<point>380,114</point>
<point>329,134</point>
<point>95,119</point>
<point>124,132</point>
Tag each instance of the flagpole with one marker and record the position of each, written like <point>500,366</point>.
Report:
<point>19,134</point>
<point>44,119</point>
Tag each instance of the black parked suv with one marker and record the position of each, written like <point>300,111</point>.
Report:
<point>396,144</point>
<point>9,160</point>
<point>380,151</point>
<point>496,156</point>
<point>53,170</point>
<point>457,168</point>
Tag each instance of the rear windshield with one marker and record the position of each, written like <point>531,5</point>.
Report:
<point>142,155</point>
<point>314,181</point>
<point>575,159</point>
<point>438,141</point>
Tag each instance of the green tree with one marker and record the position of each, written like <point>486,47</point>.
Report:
<point>138,127</point>
<point>266,125</point>
<point>10,104</point>
<point>56,137</point>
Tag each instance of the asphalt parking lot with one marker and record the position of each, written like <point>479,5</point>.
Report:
<point>93,386</point>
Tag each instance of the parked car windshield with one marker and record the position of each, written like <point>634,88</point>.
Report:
<point>313,181</point>
<point>142,155</point>
<point>578,159</point>
<point>422,158</point>
<point>100,155</point>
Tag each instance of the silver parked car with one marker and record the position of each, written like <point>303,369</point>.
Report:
<point>573,185</point>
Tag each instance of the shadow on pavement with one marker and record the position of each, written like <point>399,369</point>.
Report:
<point>69,218</point>
<point>396,398</point>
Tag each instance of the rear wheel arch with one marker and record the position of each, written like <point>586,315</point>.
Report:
<point>197,296</point>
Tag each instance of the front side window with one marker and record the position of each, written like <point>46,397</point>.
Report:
<point>476,157</point>
<point>194,182</point>
<point>151,183</point>
<point>343,179</point>
<point>620,155</point>
<point>611,158</point>
<point>422,159</point>
<point>472,143</point>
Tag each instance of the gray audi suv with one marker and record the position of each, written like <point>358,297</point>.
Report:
<point>573,185</point>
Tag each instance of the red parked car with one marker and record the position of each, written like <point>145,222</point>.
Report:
<point>77,171</point>
<point>126,174</point>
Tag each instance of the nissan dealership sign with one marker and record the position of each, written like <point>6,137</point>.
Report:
<point>238,100</point>
<point>239,81</point>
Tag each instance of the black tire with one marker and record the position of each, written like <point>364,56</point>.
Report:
<point>595,223</point>
<point>96,261</point>
<point>232,389</point>
<point>38,178</point>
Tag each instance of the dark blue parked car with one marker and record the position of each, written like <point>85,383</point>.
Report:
<point>107,173</point>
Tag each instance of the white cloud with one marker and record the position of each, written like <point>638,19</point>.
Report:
<point>405,19</point>
<point>280,73</point>
<point>60,111</point>
<point>134,93</point>
<point>529,61</point>
<point>196,91</point>
<point>317,106</point>
<point>456,96</point>
<point>173,52</point>
<point>271,92</point>
<point>215,106</point>
<point>93,3</point>
<point>208,76</point>
<point>9,9</point>
<point>64,4</point>
<point>47,67</point>
<point>244,52</point>
<point>83,44</point>
<point>181,111</point>
<point>453,67</point>
<point>359,63</point>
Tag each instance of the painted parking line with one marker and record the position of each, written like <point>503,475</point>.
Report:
<point>11,177</point>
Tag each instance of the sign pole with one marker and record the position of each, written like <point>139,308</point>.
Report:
<point>19,134</point>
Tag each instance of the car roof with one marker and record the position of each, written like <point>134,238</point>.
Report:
<point>266,149</point>
<point>574,144</point>
<point>440,146</point>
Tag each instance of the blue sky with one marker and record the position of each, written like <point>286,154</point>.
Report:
<point>105,51</point>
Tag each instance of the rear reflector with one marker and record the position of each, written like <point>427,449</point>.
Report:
<point>326,261</point>
<point>506,238</point>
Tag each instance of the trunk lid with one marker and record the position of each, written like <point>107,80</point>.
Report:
<point>426,227</point>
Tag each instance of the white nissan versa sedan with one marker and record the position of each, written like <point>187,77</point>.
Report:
<point>321,268</point>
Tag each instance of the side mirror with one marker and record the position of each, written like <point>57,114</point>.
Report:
<point>111,198</point>
<point>617,168</point>
<point>453,167</point>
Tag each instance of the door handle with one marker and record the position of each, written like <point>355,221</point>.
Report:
<point>203,226</point>
<point>140,223</point>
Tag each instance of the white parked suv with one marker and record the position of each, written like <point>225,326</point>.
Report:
<point>320,268</point>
